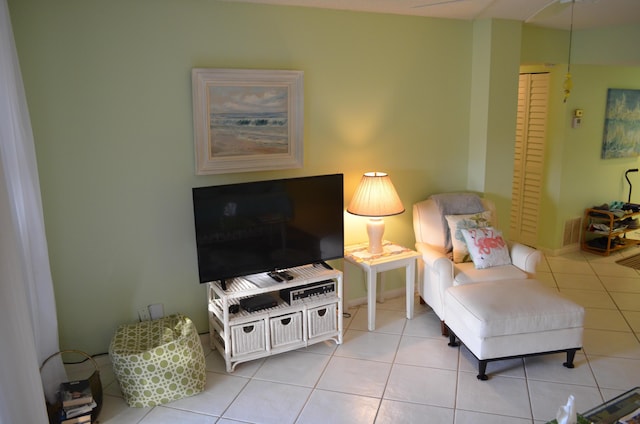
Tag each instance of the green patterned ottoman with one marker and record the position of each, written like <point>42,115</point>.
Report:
<point>158,361</point>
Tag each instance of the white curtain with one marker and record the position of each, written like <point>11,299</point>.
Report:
<point>28,322</point>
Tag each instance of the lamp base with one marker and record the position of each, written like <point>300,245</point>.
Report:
<point>375,230</point>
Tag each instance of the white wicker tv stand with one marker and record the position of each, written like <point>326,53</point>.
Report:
<point>243,336</point>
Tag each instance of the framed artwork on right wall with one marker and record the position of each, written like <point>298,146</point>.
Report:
<point>621,136</point>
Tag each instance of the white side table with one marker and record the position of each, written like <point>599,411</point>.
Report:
<point>393,256</point>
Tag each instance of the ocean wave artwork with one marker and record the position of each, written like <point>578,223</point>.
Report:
<point>622,124</point>
<point>248,120</point>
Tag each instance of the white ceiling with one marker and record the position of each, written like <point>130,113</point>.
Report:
<point>587,14</point>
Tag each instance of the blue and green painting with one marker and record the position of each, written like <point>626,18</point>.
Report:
<point>621,124</point>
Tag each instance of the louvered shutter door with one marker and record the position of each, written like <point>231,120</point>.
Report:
<point>531,129</point>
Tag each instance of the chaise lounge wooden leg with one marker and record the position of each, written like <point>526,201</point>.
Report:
<point>452,338</point>
<point>571,354</point>
<point>482,370</point>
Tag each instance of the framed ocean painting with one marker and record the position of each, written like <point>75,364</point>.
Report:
<point>621,137</point>
<point>247,120</point>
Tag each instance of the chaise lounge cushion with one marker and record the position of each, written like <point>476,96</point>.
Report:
<point>467,273</point>
<point>504,319</point>
<point>500,308</point>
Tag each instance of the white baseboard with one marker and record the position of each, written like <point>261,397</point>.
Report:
<point>561,251</point>
<point>389,294</point>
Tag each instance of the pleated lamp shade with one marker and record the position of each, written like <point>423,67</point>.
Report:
<point>375,197</point>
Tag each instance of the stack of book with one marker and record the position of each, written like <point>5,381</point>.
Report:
<point>77,402</point>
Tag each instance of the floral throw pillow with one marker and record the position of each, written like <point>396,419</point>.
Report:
<point>487,247</point>
<point>459,222</point>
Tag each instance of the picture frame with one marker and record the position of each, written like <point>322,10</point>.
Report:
<point>621,136</point>
<point>247,120</point>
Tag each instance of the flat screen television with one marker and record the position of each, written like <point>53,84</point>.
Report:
<point>265,226</point>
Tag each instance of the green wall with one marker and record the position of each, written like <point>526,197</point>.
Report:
<point>575,176</point>
<point>109,92</point>
<point>586,179</point>
<point>493,99</point>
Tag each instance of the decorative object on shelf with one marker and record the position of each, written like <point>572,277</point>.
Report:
<point>621,122</point>
<point>375,197</point>
<point>247,120</point>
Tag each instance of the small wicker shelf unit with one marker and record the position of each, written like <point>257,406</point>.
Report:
<point>612,237</point>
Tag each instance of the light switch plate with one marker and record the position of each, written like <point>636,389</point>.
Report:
<point>143,314</point>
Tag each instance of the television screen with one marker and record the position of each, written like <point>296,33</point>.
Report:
<point>263,226</point>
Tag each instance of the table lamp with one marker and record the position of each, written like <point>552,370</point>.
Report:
<point>375,197</point>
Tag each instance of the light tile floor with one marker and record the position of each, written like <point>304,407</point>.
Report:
<point>404,372</point>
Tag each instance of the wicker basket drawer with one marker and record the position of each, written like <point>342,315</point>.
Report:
<point>286,329</point>
<point>248,338</point>
<point>322,320</point>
